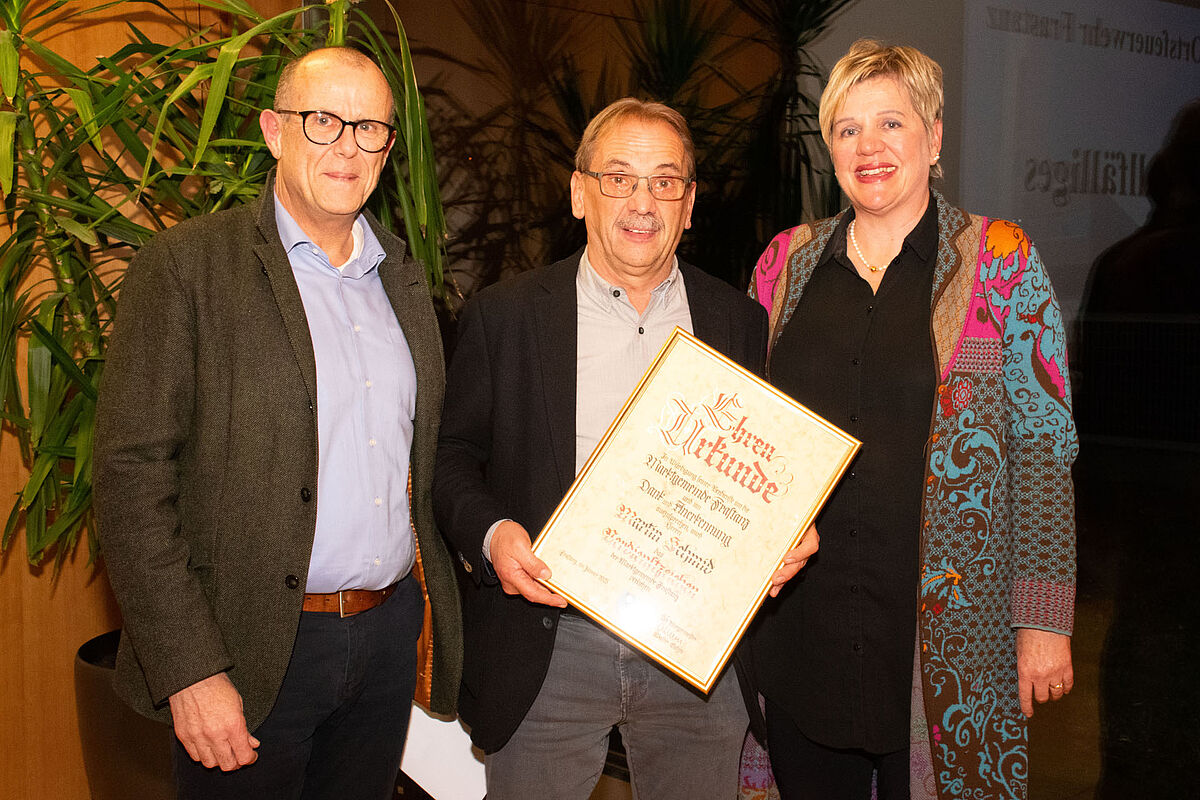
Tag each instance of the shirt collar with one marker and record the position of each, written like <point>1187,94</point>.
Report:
<point>367,253</point>
<point>923,238</point>
<point>601,291</point>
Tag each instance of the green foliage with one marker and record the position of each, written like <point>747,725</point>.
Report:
<point>96,159</point>
<point>507,160</point>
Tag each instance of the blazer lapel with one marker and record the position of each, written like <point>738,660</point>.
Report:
<point>710,318</point>
<point>275,265</point>
<point>556,318</point>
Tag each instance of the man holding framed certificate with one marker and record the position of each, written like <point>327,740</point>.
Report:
<point>543,365</point>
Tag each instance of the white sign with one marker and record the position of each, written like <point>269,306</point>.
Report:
<point>440,759</point>
<point>1064,104</point>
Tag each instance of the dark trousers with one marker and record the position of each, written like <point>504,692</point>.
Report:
<point>805,770</point>
<point>337,729</point>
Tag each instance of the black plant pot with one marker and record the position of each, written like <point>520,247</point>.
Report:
<point>125,754</point>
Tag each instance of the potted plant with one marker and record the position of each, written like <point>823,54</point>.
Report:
<point>94,160</point>
<point>761,163</point>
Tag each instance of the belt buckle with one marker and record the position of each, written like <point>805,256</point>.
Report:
<point>341,605</point>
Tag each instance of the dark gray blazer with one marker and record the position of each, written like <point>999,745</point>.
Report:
<point>507,451</point>
<point>206,459</point>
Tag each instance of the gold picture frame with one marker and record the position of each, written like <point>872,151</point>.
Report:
<point>670,533</point>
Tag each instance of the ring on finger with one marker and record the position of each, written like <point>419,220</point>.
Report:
<point>1056,687</point>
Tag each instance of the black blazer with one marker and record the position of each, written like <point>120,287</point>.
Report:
<point>507,450</point>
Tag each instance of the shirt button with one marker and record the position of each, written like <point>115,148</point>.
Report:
<point>852,475</point>
<point>371,442</point>
<point>857,647</point>
<point>291,581</point>
<point>378,501</point>
<point>547,623</point>
<point>357,328</point>
<point>377,563</point>
<point>641,329</point>
<point>855,361</point>
<point>305,494</point>
<point>854,417</point>
<point>870,309</point>
<point>369,384</point>
<point>853,586</point>
<point>854,531</point>
<point>616,293</point>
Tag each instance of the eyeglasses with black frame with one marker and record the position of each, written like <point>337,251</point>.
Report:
<point>323,127</point>
<point>622,184</point>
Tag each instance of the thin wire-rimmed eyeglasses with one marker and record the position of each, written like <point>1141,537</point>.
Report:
<point>622,184</point>
<point>322,127</point>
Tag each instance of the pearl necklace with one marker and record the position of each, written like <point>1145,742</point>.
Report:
<point>861,257</point>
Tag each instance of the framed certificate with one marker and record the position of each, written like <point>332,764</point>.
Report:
<point>671,531</point>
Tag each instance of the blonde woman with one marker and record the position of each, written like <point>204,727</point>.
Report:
<point>940,606</point>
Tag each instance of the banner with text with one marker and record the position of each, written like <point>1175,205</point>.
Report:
<point>1064,105</point>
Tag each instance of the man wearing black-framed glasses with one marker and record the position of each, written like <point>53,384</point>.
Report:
<point>325,127</point>
<point>543,364</point>
<point>264,452</point>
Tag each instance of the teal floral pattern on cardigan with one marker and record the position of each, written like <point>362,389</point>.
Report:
<point>998,521</point>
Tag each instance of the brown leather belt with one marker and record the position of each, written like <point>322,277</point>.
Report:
<point>347,602</point>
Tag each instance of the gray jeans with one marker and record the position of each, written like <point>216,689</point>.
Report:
<point>679,743</point>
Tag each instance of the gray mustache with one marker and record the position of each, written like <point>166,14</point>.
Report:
<point>640,222</point>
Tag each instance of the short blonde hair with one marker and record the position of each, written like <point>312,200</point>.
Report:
<point>919,74</point>
<point>630,108</point>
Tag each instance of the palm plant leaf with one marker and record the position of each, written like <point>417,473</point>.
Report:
<point>94,160</point>
<point>414,183</point>
<point>8,131</point>
<point>673,48</point>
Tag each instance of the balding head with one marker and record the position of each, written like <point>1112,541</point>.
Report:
<point>323,177</point>
<point>318,64</point>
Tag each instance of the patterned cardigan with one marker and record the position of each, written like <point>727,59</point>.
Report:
<point>998,520</point>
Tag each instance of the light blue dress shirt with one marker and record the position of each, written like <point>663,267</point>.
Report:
<point>366,401</point>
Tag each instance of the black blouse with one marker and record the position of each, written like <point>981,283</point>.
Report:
<point>835,650</point>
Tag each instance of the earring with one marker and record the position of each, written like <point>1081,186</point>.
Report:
<point>936,156</point>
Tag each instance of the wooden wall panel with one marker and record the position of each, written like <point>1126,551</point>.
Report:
<point>42,629</point>
<point>43,622</point>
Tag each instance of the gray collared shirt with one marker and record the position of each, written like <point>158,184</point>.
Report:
<point>616,345</point>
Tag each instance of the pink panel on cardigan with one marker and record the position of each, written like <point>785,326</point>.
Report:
<point>770,265</point>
